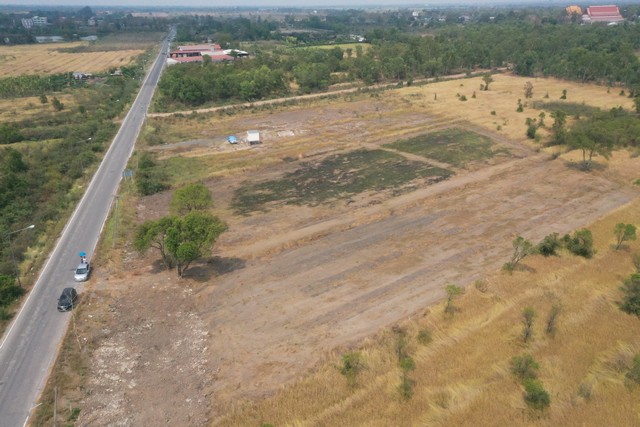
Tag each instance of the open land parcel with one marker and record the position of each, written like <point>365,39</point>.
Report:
<point>309,270</point>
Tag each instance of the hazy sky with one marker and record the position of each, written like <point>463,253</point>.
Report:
<point>245,3</point>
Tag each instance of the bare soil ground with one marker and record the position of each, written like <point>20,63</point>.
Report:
<point>285,287</point>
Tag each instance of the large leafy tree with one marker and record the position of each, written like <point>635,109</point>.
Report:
<point>191,197</point>
<point>180,240</point>
<point>191,236</point>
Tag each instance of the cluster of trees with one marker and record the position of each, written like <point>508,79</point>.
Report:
<point>34,85</point>
<point>200,28</point>
<point>36,178</point>
<point>594,53</point>
<point>186,235</point>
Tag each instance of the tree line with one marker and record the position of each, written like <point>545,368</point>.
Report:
<point>584,53</point>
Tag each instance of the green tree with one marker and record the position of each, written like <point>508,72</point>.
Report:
<point>452,292</point>
<point>590,144</point>
<point>636,101</point>
<point>528,315</point>
<point>9,290</point>
<point>351,367</point>
<point>528,90</point>
<point>190,237</point>
<point>43,99</point>
<point>152,234</point>
<point>634,372</point>
<point>521,249</point>
<point>549,245</point>
<point>552,318</point>
<point>623,233</point>
<point>524,367</point>
<point>631,300</point>
<point>487,79</point>
<point>559,126</point>
<point>57,105</point>
<point>535,395</point>
<point>581,243</point>
<point>191,197</point>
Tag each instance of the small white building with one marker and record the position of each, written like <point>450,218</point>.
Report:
<point>253,137</point>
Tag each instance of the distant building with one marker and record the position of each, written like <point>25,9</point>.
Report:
<point>196,53</point>
<point>36,21</point>
<point>49,39</point>
<point>608,14</point>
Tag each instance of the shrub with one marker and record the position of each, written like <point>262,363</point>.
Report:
<point>552,319</point>
<point>631,301</point>
<point>463,98</point>
<point>424,336</point>
<point>634,372</point>
<point>535,395</point>
<point>351,366</point>
<point>9,290</point>
<point>624,232</point>
<point>493,112</point>
<point>531,131</point>
<point>524,367</point>
<point>405,388</point>
<point>528,314</point>
<point>549,245</point>
<point>581,243</point>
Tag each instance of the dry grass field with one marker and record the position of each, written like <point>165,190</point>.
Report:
<point>255,334</point>
<point>49,59</point>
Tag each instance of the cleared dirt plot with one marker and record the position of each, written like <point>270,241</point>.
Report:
<point>350,217</point>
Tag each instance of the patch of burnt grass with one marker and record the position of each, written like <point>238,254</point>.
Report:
<point>336,177</point>
<point>453,146</point>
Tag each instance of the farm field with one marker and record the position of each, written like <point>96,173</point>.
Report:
<point>321,258</point>
<point>44,59</point>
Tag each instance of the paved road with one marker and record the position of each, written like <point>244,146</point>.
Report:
<point>30,345</point>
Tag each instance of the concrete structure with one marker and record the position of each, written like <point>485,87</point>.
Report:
<point>253,137</point>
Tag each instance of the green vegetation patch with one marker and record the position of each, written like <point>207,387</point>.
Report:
<point>335,177</point>
<point>453,146</point>
<point>571,108</point>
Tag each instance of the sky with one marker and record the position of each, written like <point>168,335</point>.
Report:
<point>251,3</point>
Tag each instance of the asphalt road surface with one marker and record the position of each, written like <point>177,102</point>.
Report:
<point>30,345</point>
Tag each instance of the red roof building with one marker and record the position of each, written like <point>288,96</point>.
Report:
<point>196,53</point>
<point>609,13</point>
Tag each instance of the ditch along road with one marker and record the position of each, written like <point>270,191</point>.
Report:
<point>30,344</point>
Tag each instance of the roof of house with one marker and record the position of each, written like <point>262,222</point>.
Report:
<point>608,13</point>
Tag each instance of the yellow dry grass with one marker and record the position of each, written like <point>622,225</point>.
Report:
<point>502,97</point>
<point>44,59</point>
<point>463,377</point>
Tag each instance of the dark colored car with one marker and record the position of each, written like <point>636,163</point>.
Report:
<point>67,299</point>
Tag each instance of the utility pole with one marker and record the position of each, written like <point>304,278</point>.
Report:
<point>115,222</point>
<point>13,258</point>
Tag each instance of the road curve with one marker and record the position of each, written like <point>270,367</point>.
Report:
<point>30,344</point>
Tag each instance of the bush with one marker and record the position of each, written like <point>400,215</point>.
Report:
<point>424,336</point>
<point>531,131</point>
<point>524,367</point>
<point>9,290</point>
<point>634,372</point>
<point>351,366</point>
<point>536,396</point>
<point>581,243</point>
<point>549,245</point>
<point>631,301</point>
